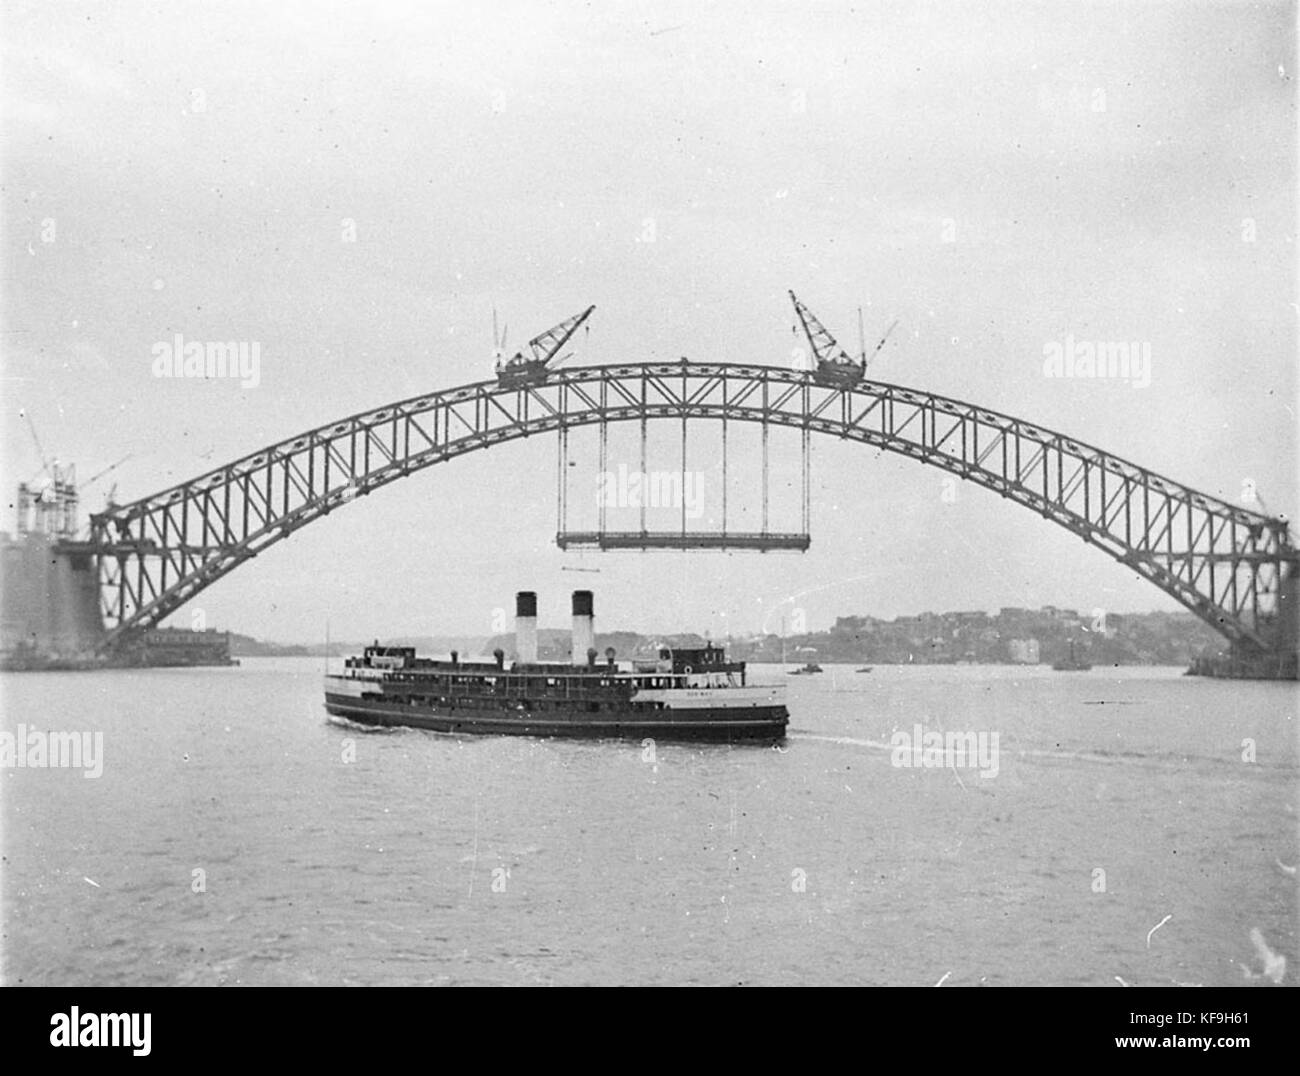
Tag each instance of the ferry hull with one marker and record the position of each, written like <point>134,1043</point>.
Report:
<point>764,724</point>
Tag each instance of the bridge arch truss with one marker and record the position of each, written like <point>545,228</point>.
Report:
<point>1229,565</point>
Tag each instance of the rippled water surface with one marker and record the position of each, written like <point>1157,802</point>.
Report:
<point>335,855</point>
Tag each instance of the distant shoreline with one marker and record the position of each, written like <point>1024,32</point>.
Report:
<point>1012,636</point>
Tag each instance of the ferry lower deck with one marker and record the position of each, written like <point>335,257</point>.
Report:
<point>755,722</point>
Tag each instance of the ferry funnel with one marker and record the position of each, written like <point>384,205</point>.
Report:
<point>526,627</point>
<point>584,633</point>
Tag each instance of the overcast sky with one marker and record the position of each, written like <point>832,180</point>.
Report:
<point>999,177</point>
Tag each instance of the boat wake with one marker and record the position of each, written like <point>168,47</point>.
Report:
<point>847,741</point>
<point>1100,756</point>
<point>369,730</point>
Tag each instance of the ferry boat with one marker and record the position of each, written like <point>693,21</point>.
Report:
<point>683,694</point>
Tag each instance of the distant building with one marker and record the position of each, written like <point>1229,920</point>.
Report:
<point>181,646</point>
<point>855,623</point>
<point>1023,651</point>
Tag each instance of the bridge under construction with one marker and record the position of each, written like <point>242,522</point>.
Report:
<point>89,595</point>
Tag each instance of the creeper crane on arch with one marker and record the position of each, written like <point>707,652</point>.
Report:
<point>835,366</point>
<point>532,369</point>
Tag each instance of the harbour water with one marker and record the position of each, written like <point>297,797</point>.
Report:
<point>1139,826</point>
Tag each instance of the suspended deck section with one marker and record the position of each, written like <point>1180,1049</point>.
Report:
<point>753,541</point>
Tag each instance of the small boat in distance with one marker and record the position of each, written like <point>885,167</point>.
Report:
<point>806,670</point>
<point>864,669</point>
<point>1072,663</point>
<point>683,694</point>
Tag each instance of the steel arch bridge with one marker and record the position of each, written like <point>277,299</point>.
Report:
<point>1234,568</point>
